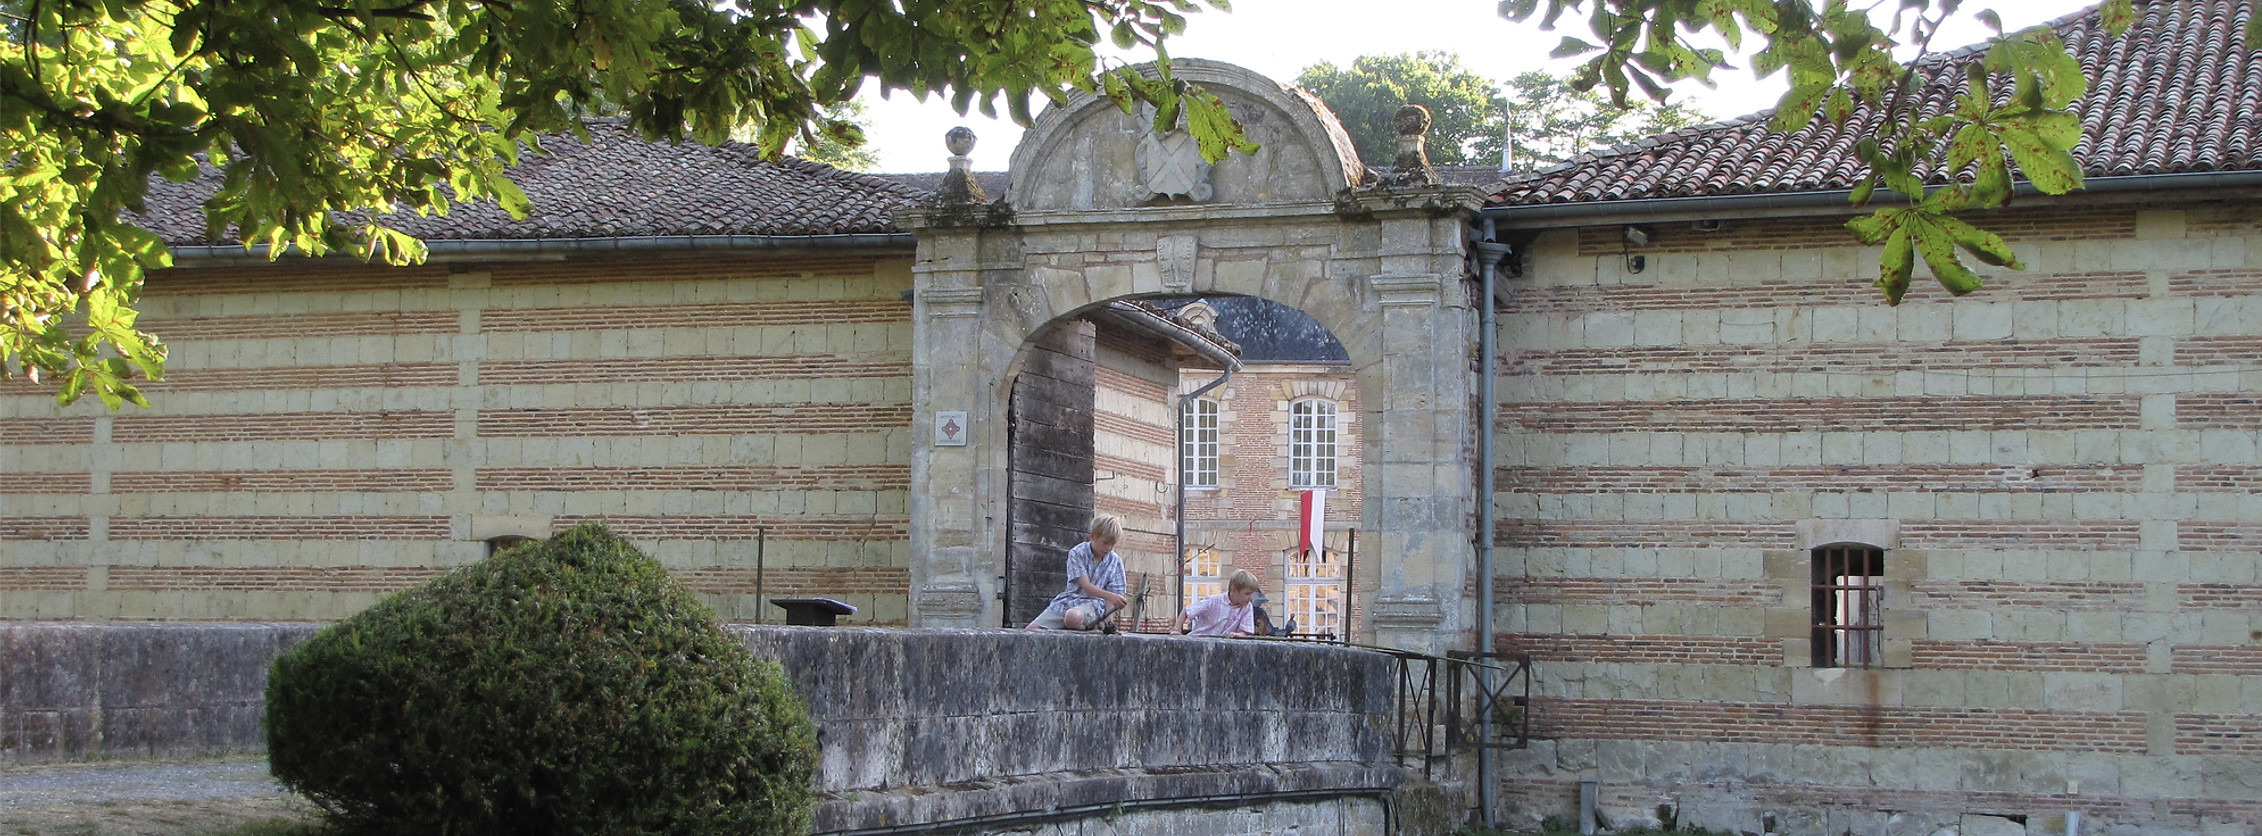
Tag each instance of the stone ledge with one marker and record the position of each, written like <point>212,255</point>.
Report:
<point>1027,799</point>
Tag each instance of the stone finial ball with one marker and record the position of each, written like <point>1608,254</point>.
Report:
<point>960,140</point>
<point>1411,120</point>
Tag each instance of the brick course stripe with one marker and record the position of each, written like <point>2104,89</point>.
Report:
<point>325,278</point>
<point>2195,535</point>
<point>2116,732</point>
<point>797,581</point>
<point>693,420</point>
<point>1113,380</point>
<point>1842,415</point>
<point>2222,282</point>
<point>43,528</point>
<point>58,483</point>
<point>1130,467</point>
<point>2218,351</point>
<point>2225,659</point>
<point>2218,411</point>
<point>819,527</point>
<point>388,375</point>
<point>2066,535</point>
<point>1790,293</point>
<point>285,426</point>
<point>2219,596</point>
<point>1638,592</point>
<point>2219,479</point>
<point>24,431</point>
<point>2219,734</point>
<point>1641,534</point>
<point>1866,478</point>
<point>269,578</point>
<point>2048,595</point>
<point>608,271</point>
<point>284,481</point>
<point>1824,357</point>
<point>716,315</point>
<point>1657,649</point>
<point>692,369</point>
<point>42,579</point>
<point>1160,435</point>
<point>344,527</point>
<point>879,477</point>
<point>2082,657</point>
<point>305,325</point>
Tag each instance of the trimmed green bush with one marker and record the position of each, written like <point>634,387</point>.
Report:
<point>563,687</point>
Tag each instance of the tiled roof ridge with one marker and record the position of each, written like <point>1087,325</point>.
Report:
<point>2143,97</point>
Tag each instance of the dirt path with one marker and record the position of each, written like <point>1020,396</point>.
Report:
<point>160,798</point>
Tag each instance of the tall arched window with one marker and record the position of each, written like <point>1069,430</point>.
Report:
<point>1197,443</point>
<point>1311,443</point>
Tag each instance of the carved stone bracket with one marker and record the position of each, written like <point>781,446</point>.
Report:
<point>1406,291</point>
<point>952,302</point>
<point>1174,259</point>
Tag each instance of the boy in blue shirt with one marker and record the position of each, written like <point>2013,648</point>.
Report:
<point>1095,581</point>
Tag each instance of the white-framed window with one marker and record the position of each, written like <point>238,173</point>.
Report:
<point>1315,592</point>
<point>1311,443</point>
<point>1204,573</point>
<point>1197,443</point>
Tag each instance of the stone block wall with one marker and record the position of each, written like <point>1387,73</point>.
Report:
<point>2060,470</point>
<point>1135,447</point>
<point>328,434</point>
<point>943,725</point>
<point>81,691</point>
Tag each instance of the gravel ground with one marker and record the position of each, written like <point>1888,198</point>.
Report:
<point>145,798</point>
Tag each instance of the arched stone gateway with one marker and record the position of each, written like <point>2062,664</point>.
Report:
<point>1100,209</point>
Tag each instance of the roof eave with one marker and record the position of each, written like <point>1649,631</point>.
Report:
<point>1833,202</point>
<point>540,249</point>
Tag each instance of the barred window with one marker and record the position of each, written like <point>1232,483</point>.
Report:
<point>1203,573</point>
<point>1849,603</point>
<point>1197,443</point>
<point>1315,592</point>
<point>1311,444</point>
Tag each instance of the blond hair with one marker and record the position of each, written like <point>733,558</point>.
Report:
<point>1106,525</point>
<point>1243,581</point>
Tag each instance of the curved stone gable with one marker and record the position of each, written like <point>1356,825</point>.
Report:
<point>1087,154</point>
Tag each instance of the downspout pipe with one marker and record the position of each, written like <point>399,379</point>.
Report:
<point>1490,254</point>
<point>1178,514</point>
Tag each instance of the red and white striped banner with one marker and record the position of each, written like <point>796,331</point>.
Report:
<point>1312,525</point>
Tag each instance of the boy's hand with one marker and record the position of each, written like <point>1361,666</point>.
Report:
<point>1115,601</point>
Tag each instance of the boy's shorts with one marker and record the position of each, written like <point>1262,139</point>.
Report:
<point>1052,619</point>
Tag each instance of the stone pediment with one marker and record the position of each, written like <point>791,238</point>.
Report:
<point>1089,155</point>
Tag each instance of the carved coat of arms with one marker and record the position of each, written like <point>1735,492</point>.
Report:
<point>1171,165</point>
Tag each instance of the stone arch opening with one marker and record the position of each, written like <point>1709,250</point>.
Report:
<point>1382,268</point>
<point>1103,415</point>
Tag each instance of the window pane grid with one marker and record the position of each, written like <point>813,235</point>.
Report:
<point>1311,444</point>
<point>1197,444</point>
<point>1315,593</point>
<point>1204,576</point>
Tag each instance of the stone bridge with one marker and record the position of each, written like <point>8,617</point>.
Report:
<point>920,730</point>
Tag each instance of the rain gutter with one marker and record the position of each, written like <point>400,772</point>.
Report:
<point>537,248</point>
<point>1574,214</point>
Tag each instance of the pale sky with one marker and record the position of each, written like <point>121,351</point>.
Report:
<point>1280,37</point>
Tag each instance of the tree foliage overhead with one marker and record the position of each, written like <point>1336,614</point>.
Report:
<point>1549,120</point>
<point>1463,106</point>
<point>312,109</point>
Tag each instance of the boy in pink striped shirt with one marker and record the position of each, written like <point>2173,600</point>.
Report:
<point>1228,613</point>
